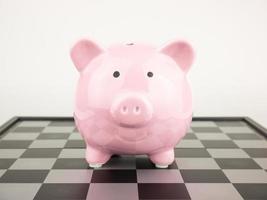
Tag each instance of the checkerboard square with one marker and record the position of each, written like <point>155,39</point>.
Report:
<point>189,136</point>
<point>24,176</point>
<point>75,136</point>
<point>206,130</point>
<point>159,176</point>
<point>75,144</point>
<point>251,143</point>
<point>252,191</point>
<point>72,153</point>
<point>113,191</point>
<point>15,144</point>
<point>239,136</point>
<point>228,153</point>
<point>48,144</point>
<point>55,136</point>
<point>203,176</point>
<point>219,144</point>
<point>70,163</point>
<point>33,163</point>
<point>211,191</point>
<point>242,130</point>
<point>12,191</point>
<point>41,153</point>
<point>58,129</point>
<point>56,191</point>
<point>162,191</point>
<point>11,153</point>
<point>21,136</point>
<point>69,176</point>
<point>189,144</point>
<point>114,176</point>
<point>212,136</point>
<point>237,163</point>
<point>246,175</point>
<point>196,163</point>
<point>191,152</point>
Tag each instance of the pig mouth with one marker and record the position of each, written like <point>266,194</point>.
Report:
<point>132,126</point>
<point>132,138</point>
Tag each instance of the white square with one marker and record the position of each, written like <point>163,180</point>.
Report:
<point>251,143</point>
<point>196,163</point>
<point>246,175</point>
<point>189,144</point>
<point>33,163</point>
<point>228,153</point>
<point>48,144</point>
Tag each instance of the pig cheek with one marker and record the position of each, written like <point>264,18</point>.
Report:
<point>165,98</point>
<point>102,89</point>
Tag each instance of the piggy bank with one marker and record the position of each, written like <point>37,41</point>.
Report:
<point>132,99</point>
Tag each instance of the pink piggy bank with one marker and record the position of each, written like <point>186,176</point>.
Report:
<point>132,99</point>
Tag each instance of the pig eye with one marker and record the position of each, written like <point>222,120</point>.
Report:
<point>149,74</point>
<point>116,74</point>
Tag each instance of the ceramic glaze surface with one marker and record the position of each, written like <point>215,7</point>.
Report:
<point>132,99</point>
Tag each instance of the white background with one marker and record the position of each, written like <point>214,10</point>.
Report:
<point>229,77</point>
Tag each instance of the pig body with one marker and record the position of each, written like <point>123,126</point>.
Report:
<point>132,99</point>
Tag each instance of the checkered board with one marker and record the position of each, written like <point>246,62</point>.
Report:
<point>216,160</point>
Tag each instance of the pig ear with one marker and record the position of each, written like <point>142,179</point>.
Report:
<point>181,52</point>
<point>83,52</point>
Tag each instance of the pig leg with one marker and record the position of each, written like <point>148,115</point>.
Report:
<point>95,157</point>
<point>162,159</point>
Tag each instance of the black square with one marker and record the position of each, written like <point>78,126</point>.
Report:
<point>239,136</point>
<point>190,136</point>
<point>5,163</point>
<point>71,163</point>
<point>219,144</point>
<point>24,176</point>
<point>114,176</point>
<point>162,191</point>
<point>61,123</point>
<point>41,153</point>
<point>237,163</point>
<point>256,152</point>
<point>15,144</point>
<point>53,136</point>
<point>68,191</point>
<point>75,144</point>
<point>191,153</point>
<point>206,129</point>
<point>252,191</point>
<point>203,176</point>
<point>145,163</point>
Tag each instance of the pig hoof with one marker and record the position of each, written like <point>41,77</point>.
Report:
<point>161,166</point>
<point>95,165</point>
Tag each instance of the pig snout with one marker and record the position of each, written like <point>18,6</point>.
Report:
<point>131,110</point>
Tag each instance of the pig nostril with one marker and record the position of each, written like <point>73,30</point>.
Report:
<point>137,110</point>
<point>124,110</point>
